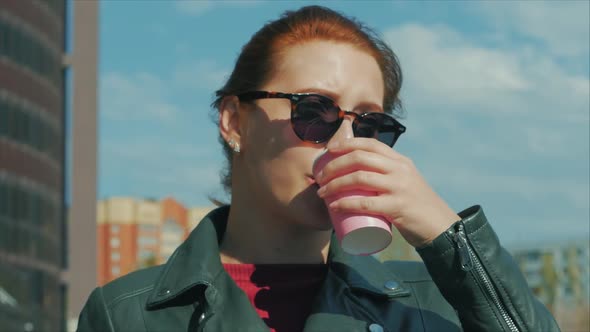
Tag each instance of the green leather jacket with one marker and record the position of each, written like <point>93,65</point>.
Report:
<point>467,282</point>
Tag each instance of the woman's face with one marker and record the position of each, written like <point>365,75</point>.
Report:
<point>276,164</point>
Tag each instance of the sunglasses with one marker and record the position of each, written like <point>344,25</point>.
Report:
<point>316,118</point>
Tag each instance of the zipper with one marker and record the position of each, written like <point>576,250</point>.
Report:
<point>470,262</point>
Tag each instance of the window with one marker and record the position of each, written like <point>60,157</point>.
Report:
<point>4,232</point>
<point>55,5</point>
<point>533,255</point>
<point>3,199</point>
<point>115,229</point>
<point>34,131</point>
<point>10,201</point>
<point>3,38</point>
<point>9,115</point>
<point>9,41</point>
<point>172,234</point>
<point>26,127</point>
<point>27,51</point>
<point>145,254</point>
<point>171,227</point>
<point>148,228</point>
<point>35,206</point>
<point>146,258</point>
<point>115,270</point>
<point>3,110</point>
<point>115,256</point>
<point>145,241</point>
<point>115,242</point>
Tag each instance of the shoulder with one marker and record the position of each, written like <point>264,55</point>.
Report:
<point>102,309</point>
<point>408,271</point>
<point>425,292</point>
<point>130,285</point>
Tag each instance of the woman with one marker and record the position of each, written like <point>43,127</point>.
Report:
<point>269,261</point>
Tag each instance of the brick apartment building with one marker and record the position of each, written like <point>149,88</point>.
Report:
<point>135,233</point>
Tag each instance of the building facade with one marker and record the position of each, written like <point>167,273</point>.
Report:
<point>32,165</point>
<point>81,217</point>
<point>137,233</point>
<point>559,275</point>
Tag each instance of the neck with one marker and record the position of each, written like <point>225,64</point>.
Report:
<point>257,236</point>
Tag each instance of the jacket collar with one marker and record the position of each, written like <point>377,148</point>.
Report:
<point>196,263</point>
<point>364,274</point>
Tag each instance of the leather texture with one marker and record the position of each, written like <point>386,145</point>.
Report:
<point>462,289</point>
<point>192,291</point>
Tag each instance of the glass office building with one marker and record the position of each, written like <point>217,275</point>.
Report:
<point>32,171</point>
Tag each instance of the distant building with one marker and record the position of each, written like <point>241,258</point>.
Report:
<point>558,274</point>
<point>136,233</point>
<point>398,249</point>
<point>81,216</point>
<point>32,165</point>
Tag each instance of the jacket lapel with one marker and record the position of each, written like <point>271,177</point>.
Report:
<point>192,265</point>
<point>364,274</point>
<point>195,276</point>
<point>337,307</point>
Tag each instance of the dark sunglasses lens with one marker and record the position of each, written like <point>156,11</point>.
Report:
<point>378,126</point>
<point>315,120</point>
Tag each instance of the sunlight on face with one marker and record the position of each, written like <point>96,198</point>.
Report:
<point>278,164</point>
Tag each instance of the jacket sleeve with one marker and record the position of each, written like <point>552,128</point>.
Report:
<point>95,316</point>
<point>480,279</point>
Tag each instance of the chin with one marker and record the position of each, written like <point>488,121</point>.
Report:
<point>310,210</point>
<point>316,214</point>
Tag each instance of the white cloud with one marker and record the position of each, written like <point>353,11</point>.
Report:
<point>135,97</point>
<point>488,122</point>
<point>202,74</point>
<point>168,149</point>
<point>160,168</point>
<point>473,181</point>
<point>562,26</point>
<point>147,97</point>
<point>439,63</point>
<point>444,69</point>
<point>523,94</point>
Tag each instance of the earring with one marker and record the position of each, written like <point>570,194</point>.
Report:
<point>234,145</point>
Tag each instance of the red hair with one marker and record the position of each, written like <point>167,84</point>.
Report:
<point>256,61</point>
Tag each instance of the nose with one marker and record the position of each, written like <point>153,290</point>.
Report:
<point>345,129</point>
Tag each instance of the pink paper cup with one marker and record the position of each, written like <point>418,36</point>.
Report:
<point>358,234</point>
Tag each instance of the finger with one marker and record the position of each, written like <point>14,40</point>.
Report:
<point>365,144</point>
<point>359,180</point>
<point>382,205</point>
<point>354,161</point>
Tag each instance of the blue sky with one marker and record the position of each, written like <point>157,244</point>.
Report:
<point>496,94</point>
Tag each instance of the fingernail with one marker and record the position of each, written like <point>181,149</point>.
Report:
<point>319,176</point>
<point>321,192</point>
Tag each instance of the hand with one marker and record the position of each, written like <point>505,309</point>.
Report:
<point>403,196</point>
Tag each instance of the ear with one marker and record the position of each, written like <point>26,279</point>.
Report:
<point>229,119</point>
